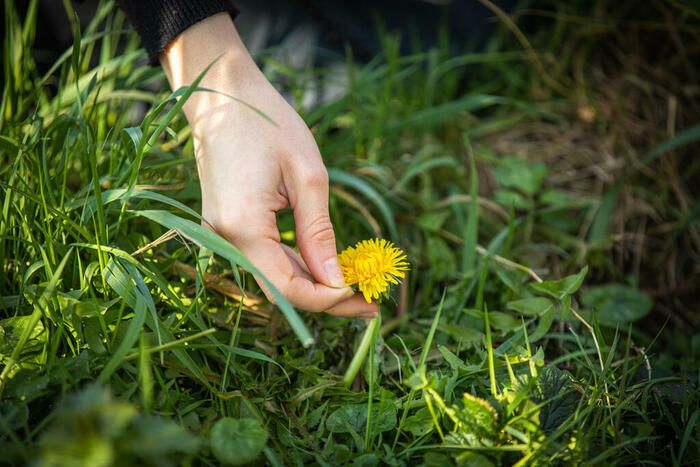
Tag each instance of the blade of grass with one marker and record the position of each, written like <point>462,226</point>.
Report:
<point>421,367</point>
<point>472,226</point>
<point>205,237</point>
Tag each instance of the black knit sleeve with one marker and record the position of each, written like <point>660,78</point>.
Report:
<point>159,21</point>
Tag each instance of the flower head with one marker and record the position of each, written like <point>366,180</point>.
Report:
<point>373,265</point>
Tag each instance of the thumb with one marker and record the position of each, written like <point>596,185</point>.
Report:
<point>315,235</point>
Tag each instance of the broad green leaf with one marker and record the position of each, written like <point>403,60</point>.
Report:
<point>237,441</point>
<point>354,417</point>
<point>503,322</point>
<point>562,287</point>
<point>543,325</point>
<point>369,459</point>
<point>530,306</point>
<point>613,304</point>
<point>419,423</point>
<point>473,459</point>
<point>436,459</point>
<point>520,174</point>
<point>12,328</point>
<point>466,335</point>
<point>512,198</point>
<point>92,428</point>
<point>338,453</point>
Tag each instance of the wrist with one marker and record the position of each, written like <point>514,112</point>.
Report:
<point>215,43</point>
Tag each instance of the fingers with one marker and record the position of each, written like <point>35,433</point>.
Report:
<point>299,265</point>
<point>355,307</point>
<point>315,235</point>
<point>270,259</point>
<point>290,274</point>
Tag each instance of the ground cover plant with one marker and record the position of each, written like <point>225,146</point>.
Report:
<point>544,190</point>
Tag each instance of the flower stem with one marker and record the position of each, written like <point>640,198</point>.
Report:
<point>360,353</point>
<point>371,380</point>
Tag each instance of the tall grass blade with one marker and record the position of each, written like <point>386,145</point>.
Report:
<point>206,238</point>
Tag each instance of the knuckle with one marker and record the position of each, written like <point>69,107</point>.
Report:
<point>315,178</point>
<point>321,230</point>
<point>230,225</point>
<point>266,290</point>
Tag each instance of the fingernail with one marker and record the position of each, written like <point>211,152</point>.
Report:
<point>332,269</point>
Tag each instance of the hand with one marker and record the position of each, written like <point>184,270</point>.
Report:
<point>250,168</point>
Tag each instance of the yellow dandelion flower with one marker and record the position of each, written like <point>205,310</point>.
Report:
<point>372,265</point>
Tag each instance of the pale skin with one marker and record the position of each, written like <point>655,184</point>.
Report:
<point>250,168</point>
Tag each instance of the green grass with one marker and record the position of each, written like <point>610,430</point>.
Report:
<point>535,327</point>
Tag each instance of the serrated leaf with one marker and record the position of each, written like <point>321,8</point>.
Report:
<point>354,417</point>
<point>478,417</point>
<point>559,398</point>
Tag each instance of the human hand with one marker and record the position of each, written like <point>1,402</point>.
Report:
<point>250,168</point>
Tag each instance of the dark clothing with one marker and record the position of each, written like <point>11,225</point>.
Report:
<point>160,21</point>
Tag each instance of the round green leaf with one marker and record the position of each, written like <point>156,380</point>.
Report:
<point>617,303</point>
<point>237,441</point>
